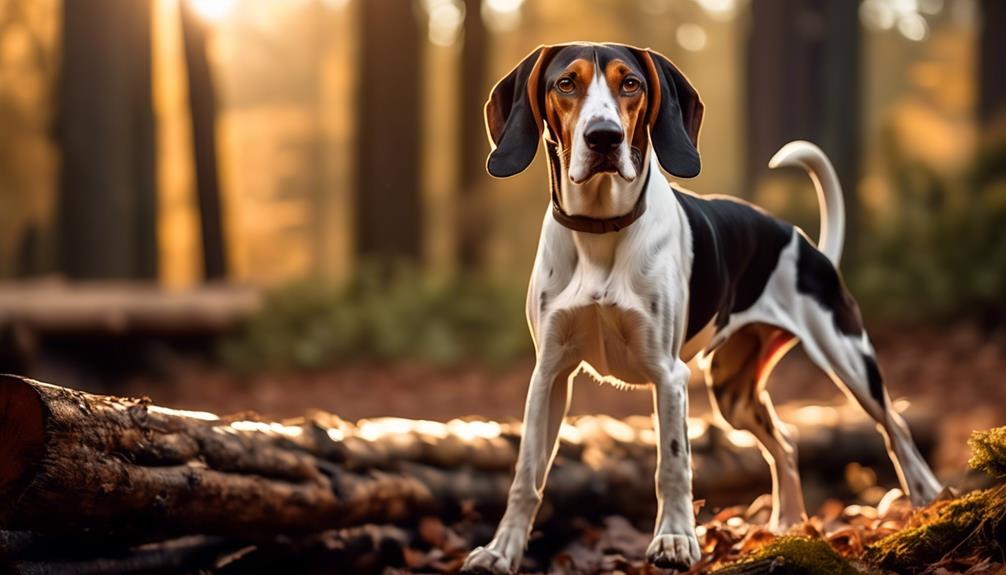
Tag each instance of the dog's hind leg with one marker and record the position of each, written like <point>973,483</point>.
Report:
<point>852,365</point>
<point>736,374</point>
<point>832,332</point>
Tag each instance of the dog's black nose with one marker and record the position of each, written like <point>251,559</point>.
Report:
<point>603,137</point>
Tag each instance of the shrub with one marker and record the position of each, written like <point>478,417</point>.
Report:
<point>384,313</point>
<point>939,251</point>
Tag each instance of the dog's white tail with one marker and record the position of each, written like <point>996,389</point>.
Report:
<point>829,192</point>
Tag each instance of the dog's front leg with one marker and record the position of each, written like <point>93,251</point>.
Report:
<point>674,544</point>
<point>547,402</point>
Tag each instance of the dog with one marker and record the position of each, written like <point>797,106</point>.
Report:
<point>635,276</point>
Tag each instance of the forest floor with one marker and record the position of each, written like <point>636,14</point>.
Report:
<point>957,373</point>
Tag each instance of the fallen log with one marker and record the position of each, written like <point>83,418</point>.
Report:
<point>189,554</point>
<point>74,461</point>
<point>79,460</point>
<point>121,308</point>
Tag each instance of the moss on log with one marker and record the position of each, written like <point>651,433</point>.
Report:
<point>792,556</point>
<point>989,451</point>
<point>971,525</point>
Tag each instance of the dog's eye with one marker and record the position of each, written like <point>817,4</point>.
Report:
<point>565,85</point>
<point>631,85</point>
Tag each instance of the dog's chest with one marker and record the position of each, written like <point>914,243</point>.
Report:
<point>612,342</point>
<point>607,322</point>
<point>610,299</point>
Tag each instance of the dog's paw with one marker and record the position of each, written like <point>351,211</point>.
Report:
<point>674,551</point>
<point>483,561</point>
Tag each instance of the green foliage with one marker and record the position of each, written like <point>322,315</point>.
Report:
<point>384,314</point>
<point>939,251</point>
<point>792,556</point>
<point>989,451</point>
<point>973,524</point>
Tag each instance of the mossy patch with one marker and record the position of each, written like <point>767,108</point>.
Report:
<point>973,524</point>
<point>989,451</point>
<point>792,556</point>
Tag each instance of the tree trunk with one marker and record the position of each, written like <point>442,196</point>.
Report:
<point>992,82</point>
<point>108,198</point>
<point>804,83</point>
<point>388,207</point>
<point>203,106</point>
<point>473,226</point>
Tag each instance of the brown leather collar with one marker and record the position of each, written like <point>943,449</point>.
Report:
<point>585,223</point>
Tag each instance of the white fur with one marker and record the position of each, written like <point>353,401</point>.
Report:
<point>615,305</point>
<point>829,193</point>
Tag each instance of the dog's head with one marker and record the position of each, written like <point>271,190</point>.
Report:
<point>604,104</point>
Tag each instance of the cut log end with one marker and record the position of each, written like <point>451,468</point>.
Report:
<point>22,436</point>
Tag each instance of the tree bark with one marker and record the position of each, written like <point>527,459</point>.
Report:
<point>76,461</point>
<point>388,208</point>
<point>991,80</point>
<point>804,83</point>
<point>473,224</point>
<point>105,128</point>
<point>203,107</point>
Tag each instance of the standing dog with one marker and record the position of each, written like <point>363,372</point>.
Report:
<point>633,277</point>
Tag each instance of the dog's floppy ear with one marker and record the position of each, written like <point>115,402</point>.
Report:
<point>513,116</point>
<point>675,115</point>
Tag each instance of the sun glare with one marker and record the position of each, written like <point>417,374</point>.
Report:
<point>213,10</point>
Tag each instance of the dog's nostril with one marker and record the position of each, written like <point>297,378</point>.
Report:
<point>603,136</point>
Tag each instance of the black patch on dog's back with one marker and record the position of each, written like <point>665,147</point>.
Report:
<point>874,379</point>
<point>736,248</point>
<point>818,278</point>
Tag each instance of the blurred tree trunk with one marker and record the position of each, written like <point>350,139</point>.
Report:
<point>473,225</point>
<point>992,81</point>
<point>804,83</point>
<point>388,206</point>
<point>203,106</point>
<point>108,198</point>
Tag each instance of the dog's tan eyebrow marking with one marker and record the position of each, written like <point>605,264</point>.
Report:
<point>580,69</point>
<point>631,108</point>
<point>561,111</point>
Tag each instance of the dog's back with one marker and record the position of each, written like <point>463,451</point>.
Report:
<point>736,247</point>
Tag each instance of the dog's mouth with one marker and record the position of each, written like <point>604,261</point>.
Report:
<point>613,164</point>
<point>604,165</point>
